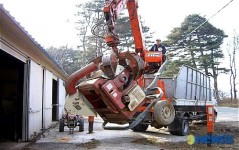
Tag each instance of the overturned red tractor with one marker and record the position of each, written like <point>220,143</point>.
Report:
<point>123,88</point>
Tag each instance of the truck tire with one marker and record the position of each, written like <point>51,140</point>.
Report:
<point>184,127</point>
<point>179,127</point>
<point>81,125</point>
<point>61,125</point>
<point>140,127</point>
<point>164,112</point>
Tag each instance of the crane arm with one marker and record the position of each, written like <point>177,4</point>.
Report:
<point>132,6</point>
<point>112,10</point>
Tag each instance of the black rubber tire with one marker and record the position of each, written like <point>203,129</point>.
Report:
<point>61,125</point>
<point>140,127</point>
<point>184,127</point>
<point>81,125</point>
<point>160,109</point>
<point>179,127</point>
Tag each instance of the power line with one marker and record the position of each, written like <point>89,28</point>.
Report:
<point>206,21</point>
<point>210,17</point>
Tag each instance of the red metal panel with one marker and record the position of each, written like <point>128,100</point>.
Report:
<point>113,93</point>
<point>153,56</point>
<point>210,118</point>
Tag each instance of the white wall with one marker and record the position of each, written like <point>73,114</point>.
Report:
<point>35,99</point>
<point>40,99</point>
<point>47,99</point>
<point>62,96</point>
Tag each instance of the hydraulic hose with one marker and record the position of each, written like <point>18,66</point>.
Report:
<point>157,75</point>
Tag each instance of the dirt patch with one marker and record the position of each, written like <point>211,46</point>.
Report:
<point>90,145</point>
<point>145,141</point>
<point>219,128</point>
<point>199,129</point>
<point>64,139</point>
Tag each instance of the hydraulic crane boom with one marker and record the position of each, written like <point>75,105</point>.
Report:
<point>112,10</point>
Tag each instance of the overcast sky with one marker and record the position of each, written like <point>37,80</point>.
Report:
<point>52,22</point>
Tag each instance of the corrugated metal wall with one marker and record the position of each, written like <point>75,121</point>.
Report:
<point>192,84</point>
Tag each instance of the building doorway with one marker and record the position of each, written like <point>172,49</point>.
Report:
<point>11,97</point>
<point>55,101</point>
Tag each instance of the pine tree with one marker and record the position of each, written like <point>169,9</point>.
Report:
<point>198,47</point>
<point>90,14</point>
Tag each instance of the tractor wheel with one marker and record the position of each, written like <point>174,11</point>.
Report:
<point>140,127</point>
<point>164,112</point>
<point>61,125</point>
<point>81,125</point>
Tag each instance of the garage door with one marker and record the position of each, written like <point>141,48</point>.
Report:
<point>62,96</point>
<point>35,99</point>
<point>47,99</point>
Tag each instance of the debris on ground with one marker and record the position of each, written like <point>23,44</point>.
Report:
<point>90,145</point>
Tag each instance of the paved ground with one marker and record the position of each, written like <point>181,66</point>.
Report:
<point>106,139</point>
<point>8,145</point>
<point>99,133</point>
<point>227,114</point>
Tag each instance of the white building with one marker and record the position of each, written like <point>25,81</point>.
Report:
<point>32,92</point>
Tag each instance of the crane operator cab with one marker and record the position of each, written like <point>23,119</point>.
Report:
<point>154,60</point>
<point>155,57</point>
